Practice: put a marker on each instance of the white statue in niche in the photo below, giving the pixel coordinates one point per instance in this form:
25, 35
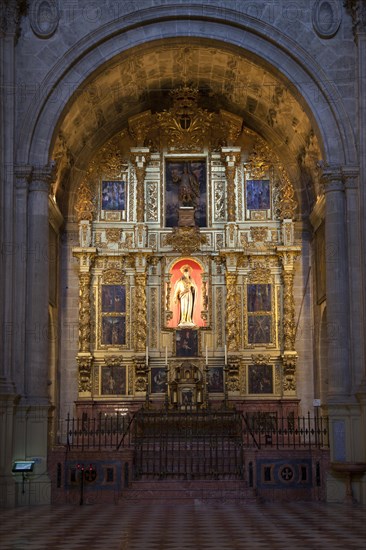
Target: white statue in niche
185, 292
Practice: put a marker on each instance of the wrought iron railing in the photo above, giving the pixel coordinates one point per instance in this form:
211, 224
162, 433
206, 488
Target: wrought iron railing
269, 430
206, 427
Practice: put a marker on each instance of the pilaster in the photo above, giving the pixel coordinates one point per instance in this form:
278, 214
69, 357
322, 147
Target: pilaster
336, 285
37, 286
22, 180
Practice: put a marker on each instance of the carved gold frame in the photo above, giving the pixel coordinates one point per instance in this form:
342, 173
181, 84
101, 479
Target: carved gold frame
166, 294
113, 215
112, 276
261, 276
184, 157
261, 214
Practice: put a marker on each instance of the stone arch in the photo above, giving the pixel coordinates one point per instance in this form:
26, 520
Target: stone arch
254, 38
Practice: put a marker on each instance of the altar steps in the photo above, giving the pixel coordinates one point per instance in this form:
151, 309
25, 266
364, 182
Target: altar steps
189, 491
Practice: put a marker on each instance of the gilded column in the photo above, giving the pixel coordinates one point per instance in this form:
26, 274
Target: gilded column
84, 358
288, 256
337, 291
140, 312
232, 312
140, 156
230, 157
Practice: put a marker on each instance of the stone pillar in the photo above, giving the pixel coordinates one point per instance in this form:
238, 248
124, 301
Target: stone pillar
356, 283
23, 176
36, 329
8, 29
337, 286
10, 360
357, 9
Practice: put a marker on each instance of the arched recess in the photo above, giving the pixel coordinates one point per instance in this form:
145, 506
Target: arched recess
54, 126
253, 39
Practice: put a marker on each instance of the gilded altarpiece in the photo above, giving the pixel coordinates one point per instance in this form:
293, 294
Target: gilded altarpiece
189, 241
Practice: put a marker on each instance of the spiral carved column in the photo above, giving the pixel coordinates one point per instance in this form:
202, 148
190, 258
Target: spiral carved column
232, 312
84, 357
289, 357
141, 312
140, 157
230, 157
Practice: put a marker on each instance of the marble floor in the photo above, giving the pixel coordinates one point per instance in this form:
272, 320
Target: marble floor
157, 526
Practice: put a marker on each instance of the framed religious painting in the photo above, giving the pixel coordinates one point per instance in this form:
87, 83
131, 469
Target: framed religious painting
113, 298
185, 192
158, 380
259, 308
259, 329
113, 331
215, 379
113, 200
113, 315
260, 379
113, 380
186, 343
258, 199
259, 297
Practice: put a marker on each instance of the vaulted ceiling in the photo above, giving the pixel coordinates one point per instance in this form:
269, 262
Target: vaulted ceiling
141, 80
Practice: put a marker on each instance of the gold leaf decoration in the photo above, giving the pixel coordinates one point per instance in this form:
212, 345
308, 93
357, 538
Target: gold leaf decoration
185, 239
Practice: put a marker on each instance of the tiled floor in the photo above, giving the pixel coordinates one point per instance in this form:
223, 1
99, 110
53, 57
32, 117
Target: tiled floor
137, 526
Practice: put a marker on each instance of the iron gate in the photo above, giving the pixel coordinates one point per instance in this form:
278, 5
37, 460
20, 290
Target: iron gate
188, 444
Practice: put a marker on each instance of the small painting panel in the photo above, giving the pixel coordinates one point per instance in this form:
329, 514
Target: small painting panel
113, 331
259, 329
158, 380
216, 379
113, 195
186, 343
186, 187
259, 297
114, 380
260, 378
113, 299
258, 195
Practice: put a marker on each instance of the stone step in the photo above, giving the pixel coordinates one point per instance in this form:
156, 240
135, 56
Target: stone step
190, 491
